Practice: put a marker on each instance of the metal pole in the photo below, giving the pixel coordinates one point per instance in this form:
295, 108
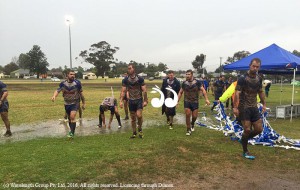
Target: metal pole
70, 45
293, 95
202, 65
220, 65
281, 89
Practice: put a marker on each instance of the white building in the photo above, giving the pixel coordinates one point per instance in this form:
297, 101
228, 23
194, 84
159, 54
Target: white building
89, 76
20, 73
161, 74
2, 75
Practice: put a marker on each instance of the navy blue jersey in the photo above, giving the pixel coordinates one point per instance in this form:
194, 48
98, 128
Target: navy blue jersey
2, 90
249, 88
133, 86
191, 90
109, 101
71, 91
219, 87
205, 84
173, 84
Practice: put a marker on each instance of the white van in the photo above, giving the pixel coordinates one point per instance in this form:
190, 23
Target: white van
89, 76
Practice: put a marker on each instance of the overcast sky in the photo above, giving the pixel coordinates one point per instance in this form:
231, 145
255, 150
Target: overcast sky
168, 31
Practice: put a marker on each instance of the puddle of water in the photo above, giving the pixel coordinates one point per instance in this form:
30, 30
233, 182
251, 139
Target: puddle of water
59, 128
56, 128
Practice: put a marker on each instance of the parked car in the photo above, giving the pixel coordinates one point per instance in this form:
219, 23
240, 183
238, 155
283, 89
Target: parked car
55, 79
151, 78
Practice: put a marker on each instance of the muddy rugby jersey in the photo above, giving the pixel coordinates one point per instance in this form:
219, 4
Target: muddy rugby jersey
134, 86
191, 90
71, 91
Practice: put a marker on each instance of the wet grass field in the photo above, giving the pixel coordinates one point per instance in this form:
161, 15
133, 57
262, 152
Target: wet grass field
204, 160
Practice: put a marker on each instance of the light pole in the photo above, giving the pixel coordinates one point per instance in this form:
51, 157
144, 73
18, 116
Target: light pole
69, 21
220, 64
203, 67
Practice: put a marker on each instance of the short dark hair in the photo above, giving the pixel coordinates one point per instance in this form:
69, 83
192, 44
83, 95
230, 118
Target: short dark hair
170, 71
255, 59
132, 65
189, 71
69, 71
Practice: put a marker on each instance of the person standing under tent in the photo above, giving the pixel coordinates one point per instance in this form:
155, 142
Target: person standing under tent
245, 104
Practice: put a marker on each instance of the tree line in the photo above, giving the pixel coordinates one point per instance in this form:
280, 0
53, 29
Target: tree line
101, 56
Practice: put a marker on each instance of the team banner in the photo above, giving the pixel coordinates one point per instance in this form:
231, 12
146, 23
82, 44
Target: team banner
268, 137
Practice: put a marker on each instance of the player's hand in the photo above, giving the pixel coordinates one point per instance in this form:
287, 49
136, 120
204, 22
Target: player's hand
53, 98
236, 112
145, 103
207, 102
121, 104
83, 107
264, 108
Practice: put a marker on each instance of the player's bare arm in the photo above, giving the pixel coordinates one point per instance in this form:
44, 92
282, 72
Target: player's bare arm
179, 96
205, 95
261, 95
82, 100
55, 94
122, 96
144, 89
236, 102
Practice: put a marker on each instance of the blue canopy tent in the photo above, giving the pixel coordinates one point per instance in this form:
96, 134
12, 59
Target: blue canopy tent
280, 72
273, 58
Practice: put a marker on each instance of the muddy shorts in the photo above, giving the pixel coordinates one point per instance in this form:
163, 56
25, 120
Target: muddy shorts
135, 105
249, 114
4, 107
191, 106
72, 107
105, 108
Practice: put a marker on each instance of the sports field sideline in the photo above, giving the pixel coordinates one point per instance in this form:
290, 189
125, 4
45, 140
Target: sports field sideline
207, 159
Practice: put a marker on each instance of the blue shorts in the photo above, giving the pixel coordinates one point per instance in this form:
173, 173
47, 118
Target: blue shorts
135, 105
191, 106
125, 97
4, 107
105, 108
170, 111
72, 107
249, 114
217, 96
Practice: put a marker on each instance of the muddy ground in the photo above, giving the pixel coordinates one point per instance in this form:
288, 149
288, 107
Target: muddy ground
205, 178
59, 128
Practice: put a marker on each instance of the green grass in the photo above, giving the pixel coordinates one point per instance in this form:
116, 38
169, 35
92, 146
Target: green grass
30, 100
114, 158
163, 156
